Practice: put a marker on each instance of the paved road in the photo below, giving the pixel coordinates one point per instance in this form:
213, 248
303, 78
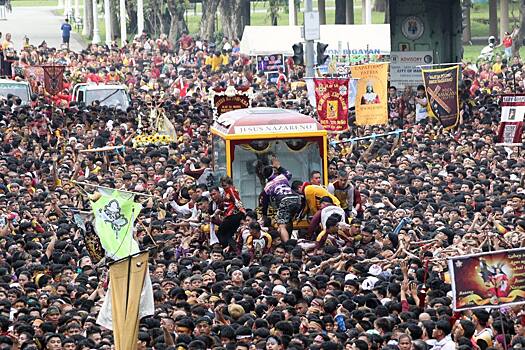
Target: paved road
39, 24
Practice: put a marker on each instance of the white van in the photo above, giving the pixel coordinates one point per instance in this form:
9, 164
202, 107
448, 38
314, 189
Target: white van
107, 95
21, 89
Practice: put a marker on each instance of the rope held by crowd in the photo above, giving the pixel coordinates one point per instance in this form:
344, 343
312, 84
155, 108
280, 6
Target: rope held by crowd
373, 136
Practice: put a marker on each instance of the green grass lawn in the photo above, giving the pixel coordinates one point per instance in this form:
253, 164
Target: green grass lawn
33, 3
479, 16
471, 52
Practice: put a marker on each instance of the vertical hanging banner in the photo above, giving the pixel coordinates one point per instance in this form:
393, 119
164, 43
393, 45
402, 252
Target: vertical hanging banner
332, 103
441, 86
54, 78
371, 99
486, 280
511, 124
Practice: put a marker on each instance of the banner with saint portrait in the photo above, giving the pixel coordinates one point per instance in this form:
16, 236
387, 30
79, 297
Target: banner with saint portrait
441, 86
332, 103
371, 106
488, 280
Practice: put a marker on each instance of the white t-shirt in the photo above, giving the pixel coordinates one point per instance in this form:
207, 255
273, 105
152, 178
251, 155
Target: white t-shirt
421, 111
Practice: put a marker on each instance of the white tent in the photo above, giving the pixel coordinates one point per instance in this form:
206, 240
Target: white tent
341, 39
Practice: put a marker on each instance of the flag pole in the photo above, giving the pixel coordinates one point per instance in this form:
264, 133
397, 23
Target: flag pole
113, 262
440, 64
115, 189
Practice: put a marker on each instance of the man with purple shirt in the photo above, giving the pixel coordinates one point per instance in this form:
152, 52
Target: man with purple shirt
279, 194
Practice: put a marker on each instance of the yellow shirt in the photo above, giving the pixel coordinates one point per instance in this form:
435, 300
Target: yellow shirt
216, 62
496, 68
313, 195
225, 60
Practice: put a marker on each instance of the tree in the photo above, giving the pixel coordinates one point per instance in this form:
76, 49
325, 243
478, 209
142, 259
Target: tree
178, 26
493, 18
517, 42
465, 13
273, 10
379, 6
231, 18
114, 18
207, 26
88, 21
504, 17
349, 12
340, 11
245, 12
131, 10
321, 7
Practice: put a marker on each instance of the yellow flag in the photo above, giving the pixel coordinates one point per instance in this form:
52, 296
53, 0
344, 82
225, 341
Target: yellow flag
126, 278
371, 106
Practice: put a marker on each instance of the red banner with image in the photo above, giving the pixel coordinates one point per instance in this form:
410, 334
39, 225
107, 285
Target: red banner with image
332, 103
54, 78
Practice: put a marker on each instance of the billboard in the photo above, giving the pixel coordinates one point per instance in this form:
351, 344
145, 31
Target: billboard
488, 280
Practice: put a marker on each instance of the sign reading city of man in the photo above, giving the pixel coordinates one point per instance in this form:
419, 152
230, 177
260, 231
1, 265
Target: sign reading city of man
405, 68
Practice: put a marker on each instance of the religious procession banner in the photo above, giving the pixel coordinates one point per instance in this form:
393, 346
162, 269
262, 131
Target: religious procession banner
230, 99
54, 78
115, 213
488, 280
371, 99
225, 103
332, 103
512, 114
441, 86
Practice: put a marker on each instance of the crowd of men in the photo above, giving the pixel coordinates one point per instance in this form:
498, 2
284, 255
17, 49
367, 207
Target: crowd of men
370, 271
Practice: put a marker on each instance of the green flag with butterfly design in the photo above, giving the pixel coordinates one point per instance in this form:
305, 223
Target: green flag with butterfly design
115, 213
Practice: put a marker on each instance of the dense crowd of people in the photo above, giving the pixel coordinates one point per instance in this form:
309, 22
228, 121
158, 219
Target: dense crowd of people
370, 271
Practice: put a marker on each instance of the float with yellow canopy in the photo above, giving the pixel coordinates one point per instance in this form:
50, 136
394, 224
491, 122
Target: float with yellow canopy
245, 140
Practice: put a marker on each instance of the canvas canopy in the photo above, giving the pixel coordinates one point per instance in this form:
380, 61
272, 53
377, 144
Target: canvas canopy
358, 39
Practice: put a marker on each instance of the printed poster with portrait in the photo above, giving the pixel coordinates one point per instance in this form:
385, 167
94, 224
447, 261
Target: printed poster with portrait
371, 98
488, 280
